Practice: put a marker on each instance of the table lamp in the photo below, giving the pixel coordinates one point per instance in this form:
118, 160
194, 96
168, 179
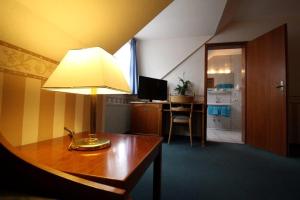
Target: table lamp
89, 71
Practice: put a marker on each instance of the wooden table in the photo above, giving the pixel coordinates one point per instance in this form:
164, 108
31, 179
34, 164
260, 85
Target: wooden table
120, 166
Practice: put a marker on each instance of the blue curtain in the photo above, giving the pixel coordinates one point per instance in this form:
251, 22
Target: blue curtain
133, 67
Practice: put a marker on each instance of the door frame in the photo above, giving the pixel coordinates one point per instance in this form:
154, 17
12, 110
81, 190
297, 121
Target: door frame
226, 45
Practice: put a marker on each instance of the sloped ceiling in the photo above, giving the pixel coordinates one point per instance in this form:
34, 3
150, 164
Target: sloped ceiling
51, 27
265, 9
193, 18
185, 18
255, 10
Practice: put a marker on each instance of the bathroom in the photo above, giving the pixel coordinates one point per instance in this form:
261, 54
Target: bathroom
225, 95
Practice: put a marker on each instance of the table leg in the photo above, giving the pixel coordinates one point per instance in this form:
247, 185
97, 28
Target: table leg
157, 176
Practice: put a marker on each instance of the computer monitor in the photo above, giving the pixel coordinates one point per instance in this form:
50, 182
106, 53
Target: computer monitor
152, 89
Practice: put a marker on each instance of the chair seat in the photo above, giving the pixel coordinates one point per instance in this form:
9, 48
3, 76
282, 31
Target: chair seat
181, 119
181, 109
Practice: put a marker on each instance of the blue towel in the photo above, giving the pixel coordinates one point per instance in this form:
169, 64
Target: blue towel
217, 110
224, 86
213, 110
225, 111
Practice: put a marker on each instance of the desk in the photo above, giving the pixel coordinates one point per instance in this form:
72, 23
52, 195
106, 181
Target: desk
147, 117
120, 166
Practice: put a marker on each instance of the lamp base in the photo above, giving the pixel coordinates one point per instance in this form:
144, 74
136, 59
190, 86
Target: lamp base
89, 143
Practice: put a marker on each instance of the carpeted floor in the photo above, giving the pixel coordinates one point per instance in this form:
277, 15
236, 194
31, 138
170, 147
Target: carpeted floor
222, 171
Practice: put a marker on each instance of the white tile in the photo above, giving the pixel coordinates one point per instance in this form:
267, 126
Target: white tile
224, 136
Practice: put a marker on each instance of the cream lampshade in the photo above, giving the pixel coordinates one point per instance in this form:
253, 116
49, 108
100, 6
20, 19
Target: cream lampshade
85, 69
88, 71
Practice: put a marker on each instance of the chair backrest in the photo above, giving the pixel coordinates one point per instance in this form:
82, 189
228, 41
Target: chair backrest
181, 99
181, 103
22, 175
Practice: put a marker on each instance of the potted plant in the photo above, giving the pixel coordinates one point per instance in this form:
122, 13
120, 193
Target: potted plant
183, 86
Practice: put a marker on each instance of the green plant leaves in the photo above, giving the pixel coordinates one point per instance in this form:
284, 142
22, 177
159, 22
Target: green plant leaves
183, 86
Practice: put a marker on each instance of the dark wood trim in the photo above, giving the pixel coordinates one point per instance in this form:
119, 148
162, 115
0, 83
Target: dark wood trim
215, 46
226, 45
204, 134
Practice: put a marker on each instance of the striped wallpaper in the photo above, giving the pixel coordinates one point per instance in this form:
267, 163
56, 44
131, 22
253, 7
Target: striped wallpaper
29, 114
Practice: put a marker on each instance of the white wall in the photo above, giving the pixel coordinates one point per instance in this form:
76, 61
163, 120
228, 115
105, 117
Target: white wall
223, 62
157, 57
193, 70
245, 31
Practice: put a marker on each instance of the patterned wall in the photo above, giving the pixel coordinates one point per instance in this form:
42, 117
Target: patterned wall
29, 114
21, 61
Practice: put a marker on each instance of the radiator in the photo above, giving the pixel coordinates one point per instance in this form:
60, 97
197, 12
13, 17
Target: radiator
117, 114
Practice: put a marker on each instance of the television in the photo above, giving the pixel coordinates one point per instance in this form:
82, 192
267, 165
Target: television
152, 89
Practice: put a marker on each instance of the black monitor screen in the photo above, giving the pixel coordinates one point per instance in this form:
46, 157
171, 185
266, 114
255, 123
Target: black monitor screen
152, 89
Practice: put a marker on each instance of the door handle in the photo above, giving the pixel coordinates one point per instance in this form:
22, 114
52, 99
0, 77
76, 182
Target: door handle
280, 86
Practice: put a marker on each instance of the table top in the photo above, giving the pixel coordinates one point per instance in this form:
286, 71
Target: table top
118, 165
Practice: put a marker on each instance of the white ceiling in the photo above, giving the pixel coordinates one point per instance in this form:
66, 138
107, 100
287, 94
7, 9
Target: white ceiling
190, 18
185, 18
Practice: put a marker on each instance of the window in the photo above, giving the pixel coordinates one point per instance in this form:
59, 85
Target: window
123, 57
127, 59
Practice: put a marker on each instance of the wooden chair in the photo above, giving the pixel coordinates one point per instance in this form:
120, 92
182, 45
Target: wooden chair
20, 175
181, 109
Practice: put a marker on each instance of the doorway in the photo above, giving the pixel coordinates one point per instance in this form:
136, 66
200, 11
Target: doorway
225, 93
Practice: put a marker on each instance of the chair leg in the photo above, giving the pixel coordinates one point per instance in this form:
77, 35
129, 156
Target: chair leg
170, 131
190, 129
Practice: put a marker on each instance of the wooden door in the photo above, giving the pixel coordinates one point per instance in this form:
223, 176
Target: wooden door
265, 93
210, 83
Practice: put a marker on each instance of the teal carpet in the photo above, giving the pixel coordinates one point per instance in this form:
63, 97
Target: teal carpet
222, 171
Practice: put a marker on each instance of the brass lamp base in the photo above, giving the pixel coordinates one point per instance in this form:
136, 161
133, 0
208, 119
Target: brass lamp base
89, 143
